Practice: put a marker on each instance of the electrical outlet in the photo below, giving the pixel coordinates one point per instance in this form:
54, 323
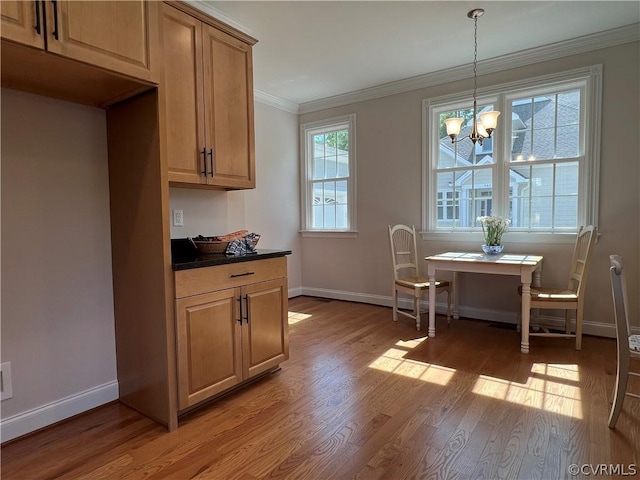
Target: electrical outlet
6, 387
178, 218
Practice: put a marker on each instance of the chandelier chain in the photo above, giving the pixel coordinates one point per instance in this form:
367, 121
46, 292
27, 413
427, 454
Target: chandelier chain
475, 56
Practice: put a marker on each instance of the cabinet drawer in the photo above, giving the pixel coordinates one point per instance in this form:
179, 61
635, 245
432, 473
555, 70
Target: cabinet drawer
208, 279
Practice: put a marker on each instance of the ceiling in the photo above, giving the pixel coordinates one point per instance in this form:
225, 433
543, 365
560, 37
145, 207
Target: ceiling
311, 50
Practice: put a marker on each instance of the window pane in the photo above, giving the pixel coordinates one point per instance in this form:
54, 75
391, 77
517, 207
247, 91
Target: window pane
566, 212
342, 216
317, 216
568, 142
341, 192
329, 216
546, 127
569, 108
541, 212
567, 179
343, 166
331, 155
446, 204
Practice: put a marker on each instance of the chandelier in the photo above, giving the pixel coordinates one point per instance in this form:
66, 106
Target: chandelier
488, 120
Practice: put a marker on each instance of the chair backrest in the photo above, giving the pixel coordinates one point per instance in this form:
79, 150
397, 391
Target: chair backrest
620, 305
403, 249
580, 261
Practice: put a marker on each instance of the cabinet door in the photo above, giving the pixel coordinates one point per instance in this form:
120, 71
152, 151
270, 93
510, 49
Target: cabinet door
183, 92
117, 36
22, 23
228, 90
265, 341
209, 345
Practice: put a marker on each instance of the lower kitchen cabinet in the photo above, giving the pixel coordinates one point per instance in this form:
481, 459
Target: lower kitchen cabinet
233, 333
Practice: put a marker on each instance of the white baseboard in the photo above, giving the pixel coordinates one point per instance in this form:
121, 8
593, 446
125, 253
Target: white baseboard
295, 292
501, 316
32, 420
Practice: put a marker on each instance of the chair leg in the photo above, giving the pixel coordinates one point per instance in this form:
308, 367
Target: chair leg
620, 390
417, 311
395, 304
567, 321
448, 306
579, 326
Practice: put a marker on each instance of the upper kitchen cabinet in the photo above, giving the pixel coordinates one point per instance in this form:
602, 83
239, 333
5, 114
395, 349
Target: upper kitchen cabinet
95, 52
112, 35
208, 92
22, 22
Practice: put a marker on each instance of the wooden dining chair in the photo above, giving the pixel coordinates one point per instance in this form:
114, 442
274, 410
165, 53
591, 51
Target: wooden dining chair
628, 345
570, 298
406, 274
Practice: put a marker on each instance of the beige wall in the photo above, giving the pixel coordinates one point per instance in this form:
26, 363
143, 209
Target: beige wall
388, 140
271, 209
57, 298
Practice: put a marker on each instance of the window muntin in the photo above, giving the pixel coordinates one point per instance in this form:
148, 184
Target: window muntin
543, 176
328, 181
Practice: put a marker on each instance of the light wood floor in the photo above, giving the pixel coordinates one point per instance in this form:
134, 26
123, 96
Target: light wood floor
364, 397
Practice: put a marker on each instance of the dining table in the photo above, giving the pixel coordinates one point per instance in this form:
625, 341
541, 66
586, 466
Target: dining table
527, 266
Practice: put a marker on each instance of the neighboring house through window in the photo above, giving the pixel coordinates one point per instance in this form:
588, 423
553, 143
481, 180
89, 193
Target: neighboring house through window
328, 175
540, 169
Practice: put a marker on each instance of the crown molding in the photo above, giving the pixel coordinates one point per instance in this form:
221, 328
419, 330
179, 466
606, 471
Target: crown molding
204, 7
587, 43
276, 102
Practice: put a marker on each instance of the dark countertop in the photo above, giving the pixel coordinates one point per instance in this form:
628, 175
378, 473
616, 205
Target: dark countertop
184, 256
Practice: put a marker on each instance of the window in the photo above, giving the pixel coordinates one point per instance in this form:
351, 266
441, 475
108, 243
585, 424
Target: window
328, 179
542, 175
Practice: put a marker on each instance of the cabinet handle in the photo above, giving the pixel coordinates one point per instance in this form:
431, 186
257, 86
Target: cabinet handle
211, 160
240, 302
241, 274
55, 18
246, 304
204, 161
38, 28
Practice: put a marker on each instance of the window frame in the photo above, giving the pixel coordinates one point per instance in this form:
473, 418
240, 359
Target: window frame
307, 131
590, 80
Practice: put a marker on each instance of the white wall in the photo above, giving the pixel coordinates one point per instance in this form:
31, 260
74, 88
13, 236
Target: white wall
57, 298
271, 209
388, 137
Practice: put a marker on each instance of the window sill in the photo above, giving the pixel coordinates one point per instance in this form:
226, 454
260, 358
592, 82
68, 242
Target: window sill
509, 237
330, 233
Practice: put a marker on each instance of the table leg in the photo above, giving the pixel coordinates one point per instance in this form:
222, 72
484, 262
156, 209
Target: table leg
526, 307
456, 309
536, 311
432, 305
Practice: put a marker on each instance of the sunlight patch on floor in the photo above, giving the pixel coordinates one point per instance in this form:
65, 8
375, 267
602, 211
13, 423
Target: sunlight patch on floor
393, 361
413, 343
540, 391
550, 387
295, 317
